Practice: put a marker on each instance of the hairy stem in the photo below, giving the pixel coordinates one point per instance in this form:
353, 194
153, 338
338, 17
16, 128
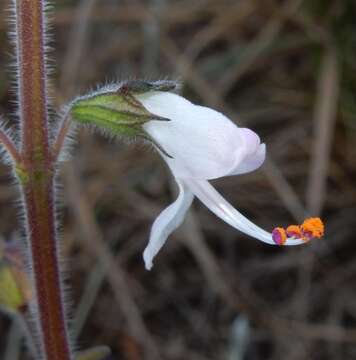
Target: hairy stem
32, 79
40, 209
36, 175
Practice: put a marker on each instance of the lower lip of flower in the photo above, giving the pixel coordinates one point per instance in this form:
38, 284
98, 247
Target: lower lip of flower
310, 229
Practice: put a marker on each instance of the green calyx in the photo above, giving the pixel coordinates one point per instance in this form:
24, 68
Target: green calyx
112, 111
118, 111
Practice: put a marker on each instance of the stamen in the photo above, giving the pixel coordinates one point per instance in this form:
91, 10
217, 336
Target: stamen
279, 236
294, 231
311, 228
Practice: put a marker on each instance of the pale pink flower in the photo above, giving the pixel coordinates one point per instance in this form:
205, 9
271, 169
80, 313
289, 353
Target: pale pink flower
203, 144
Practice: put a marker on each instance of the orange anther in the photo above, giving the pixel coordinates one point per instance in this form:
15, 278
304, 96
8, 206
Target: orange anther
312, 228
279, 236
294, 231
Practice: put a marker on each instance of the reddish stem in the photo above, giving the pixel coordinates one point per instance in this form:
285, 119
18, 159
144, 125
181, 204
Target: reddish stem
36, 175
32, 79
40, 209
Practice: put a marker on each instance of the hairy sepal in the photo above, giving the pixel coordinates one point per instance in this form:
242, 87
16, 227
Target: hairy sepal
115, 109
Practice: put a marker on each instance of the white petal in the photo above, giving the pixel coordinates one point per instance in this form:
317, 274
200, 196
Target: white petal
204, 143
255, 153
221, 208
166, 222
251, 162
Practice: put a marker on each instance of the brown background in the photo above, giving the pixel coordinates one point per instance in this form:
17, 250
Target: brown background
286, 69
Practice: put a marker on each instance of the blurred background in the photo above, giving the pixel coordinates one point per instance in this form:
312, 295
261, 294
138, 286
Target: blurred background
285, 69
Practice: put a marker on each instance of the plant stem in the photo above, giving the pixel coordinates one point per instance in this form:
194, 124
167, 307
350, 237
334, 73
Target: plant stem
40, 209
36, 175
32, 79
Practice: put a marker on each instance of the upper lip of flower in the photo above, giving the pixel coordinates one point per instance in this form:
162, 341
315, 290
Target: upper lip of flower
204, 144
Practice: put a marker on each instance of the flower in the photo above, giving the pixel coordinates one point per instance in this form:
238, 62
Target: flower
201, 144
197, 143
